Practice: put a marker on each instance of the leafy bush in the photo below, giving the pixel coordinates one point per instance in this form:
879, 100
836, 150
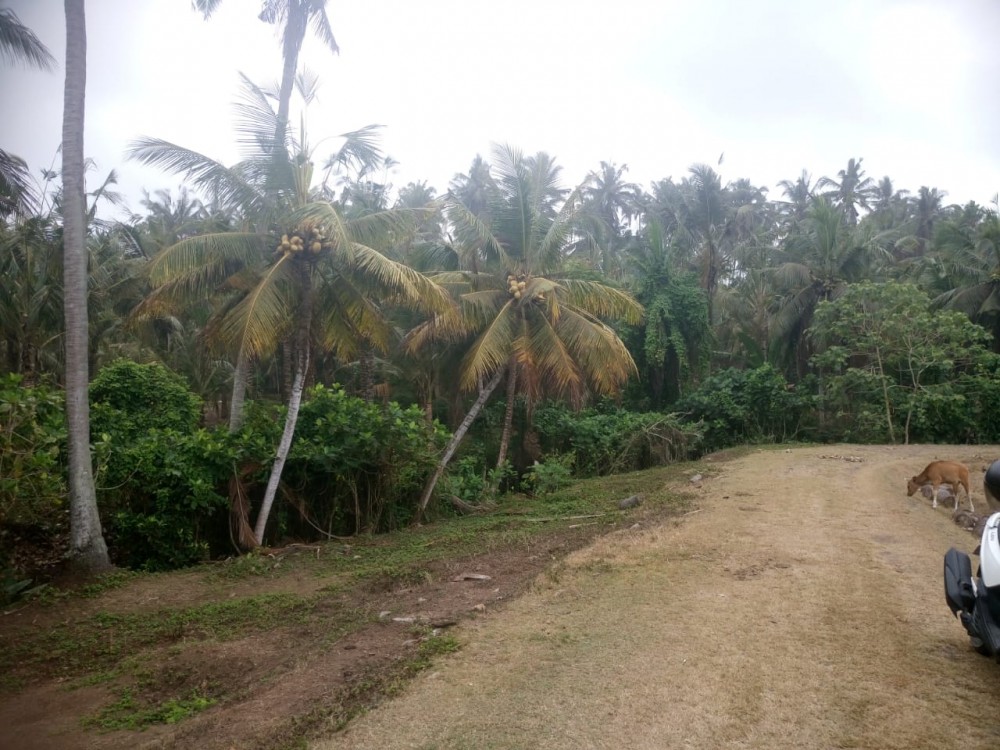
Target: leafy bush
614, 440
465, 479
551, 475
159, 478
129, 399
32, 438
357, 465
897, 369
164, 500
746, 406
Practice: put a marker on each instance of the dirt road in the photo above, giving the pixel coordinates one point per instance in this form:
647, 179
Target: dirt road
799, 606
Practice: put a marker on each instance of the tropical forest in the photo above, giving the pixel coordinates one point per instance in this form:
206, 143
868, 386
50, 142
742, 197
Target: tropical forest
269, 438
289, 348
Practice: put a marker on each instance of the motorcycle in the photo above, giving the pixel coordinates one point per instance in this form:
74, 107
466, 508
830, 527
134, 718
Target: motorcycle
976, 599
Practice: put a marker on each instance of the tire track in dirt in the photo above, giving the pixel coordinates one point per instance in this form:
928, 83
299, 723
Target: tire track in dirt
800, 606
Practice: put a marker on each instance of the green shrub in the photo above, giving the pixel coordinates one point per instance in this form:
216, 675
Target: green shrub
32, 440
129, 399
169, 509
160, 480
356, 466
551, 475
613, 440
746, 406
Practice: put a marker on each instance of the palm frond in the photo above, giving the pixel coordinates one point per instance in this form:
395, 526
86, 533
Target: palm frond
206, 7
491, 349
477, 231
350, 319
360, 151
18, 43
602, 300
410, 287
597, 350
262, 318
320, 23
208, 258
257, 122
479, 308
17, 194
554, 363
207, 174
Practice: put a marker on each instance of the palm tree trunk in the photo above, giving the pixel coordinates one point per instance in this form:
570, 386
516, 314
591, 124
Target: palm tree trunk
294, 402
294, 33
470, 417
508, 415
367, 373
87, 548
241, 374
287, 355
239, 505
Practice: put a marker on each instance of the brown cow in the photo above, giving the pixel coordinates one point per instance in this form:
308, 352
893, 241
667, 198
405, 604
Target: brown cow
942, 472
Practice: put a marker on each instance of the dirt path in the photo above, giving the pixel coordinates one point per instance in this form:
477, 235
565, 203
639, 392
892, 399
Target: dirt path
800, 606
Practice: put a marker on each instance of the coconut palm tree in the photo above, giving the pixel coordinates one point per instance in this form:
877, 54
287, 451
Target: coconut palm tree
888, 204
675, 334
518, 315
18, 46
614, 203
969, 258
799, 194
293, 17
928, 206
475, 188
302, 270
87, 547
815, 266
851, 191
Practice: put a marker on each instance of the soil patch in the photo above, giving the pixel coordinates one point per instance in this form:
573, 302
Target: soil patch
798, 605
267, 651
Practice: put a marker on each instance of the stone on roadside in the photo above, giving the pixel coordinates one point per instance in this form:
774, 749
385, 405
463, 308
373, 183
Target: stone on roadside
630, 502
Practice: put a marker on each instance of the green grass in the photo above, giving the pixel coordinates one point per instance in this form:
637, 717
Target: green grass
111, 647
129, 712
101, 641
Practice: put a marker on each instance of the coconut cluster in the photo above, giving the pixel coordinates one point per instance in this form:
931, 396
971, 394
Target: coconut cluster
516, 287
305, 239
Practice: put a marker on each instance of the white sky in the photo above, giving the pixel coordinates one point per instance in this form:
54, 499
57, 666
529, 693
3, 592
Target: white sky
777, 85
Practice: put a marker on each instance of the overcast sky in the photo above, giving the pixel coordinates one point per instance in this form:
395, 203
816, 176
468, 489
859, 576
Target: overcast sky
778, 86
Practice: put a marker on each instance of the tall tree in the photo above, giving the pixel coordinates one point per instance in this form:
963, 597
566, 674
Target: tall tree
675, 332
87, 547
294, 17
304, 271
799, 194
816, 266
928, 204
968, 257
851, 190
613, 202
519, 315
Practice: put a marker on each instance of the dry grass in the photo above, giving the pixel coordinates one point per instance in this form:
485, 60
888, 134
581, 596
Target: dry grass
800, 607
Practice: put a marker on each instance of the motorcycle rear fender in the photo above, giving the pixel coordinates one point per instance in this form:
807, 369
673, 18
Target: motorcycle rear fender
989, 552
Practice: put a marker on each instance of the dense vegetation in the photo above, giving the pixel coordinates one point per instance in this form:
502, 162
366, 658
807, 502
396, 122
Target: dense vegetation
372, 325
